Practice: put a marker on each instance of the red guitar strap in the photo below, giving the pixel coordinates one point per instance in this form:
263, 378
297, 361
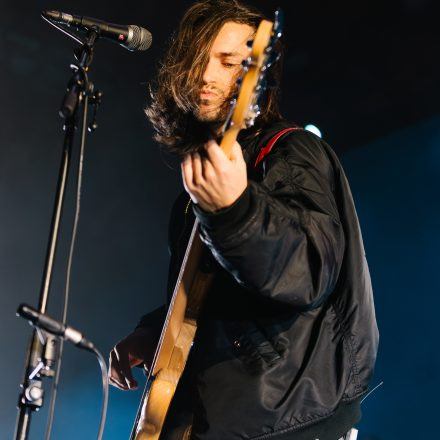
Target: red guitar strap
266, 149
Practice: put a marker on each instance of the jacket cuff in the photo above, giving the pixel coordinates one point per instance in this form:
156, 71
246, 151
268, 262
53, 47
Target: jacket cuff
227, 217
153, 320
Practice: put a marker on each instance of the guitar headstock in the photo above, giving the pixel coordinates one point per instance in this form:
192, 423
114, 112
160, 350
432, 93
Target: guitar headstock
252, 83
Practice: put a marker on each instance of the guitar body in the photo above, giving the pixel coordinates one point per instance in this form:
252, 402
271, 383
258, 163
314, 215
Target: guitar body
192, 284
175, 343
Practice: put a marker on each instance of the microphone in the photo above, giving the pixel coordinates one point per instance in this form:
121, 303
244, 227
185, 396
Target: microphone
53, 326
130, 37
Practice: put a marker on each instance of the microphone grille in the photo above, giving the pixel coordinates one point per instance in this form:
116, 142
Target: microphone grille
141, 39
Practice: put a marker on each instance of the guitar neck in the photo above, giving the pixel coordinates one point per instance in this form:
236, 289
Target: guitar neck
229, 138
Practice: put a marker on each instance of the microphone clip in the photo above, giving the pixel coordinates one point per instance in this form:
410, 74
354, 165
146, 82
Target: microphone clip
95, 101
43, 354
79, 83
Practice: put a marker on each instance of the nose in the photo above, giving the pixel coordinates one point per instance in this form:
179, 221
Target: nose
211, 72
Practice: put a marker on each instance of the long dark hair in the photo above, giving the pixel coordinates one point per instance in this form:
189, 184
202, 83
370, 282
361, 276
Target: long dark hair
175, 93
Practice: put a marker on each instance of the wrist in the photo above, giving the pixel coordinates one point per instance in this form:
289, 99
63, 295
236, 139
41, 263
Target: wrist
226, 215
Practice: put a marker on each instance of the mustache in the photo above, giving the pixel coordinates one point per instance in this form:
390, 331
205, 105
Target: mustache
211, 89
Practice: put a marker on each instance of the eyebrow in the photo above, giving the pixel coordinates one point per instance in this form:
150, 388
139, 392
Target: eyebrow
229, 54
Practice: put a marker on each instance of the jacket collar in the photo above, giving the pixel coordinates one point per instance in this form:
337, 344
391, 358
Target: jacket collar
251, 144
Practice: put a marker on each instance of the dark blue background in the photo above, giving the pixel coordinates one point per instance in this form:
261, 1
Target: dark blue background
395, 183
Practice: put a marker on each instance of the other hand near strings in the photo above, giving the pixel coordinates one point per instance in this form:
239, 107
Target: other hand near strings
215, 181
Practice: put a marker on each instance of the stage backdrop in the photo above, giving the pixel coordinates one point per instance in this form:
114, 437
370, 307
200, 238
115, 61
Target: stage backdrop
395, 183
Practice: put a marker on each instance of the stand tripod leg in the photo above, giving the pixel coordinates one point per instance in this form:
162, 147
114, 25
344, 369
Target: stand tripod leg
22, 425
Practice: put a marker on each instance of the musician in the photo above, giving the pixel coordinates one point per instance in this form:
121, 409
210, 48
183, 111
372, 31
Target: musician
287, 338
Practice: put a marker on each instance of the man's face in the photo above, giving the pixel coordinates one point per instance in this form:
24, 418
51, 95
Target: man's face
224, 65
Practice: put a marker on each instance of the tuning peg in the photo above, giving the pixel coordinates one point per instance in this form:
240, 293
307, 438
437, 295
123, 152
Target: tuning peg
261, 86
278, 24
247, 62
254, 112
228, 121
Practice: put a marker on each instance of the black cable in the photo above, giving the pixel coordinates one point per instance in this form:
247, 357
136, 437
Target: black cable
68, 273
63, 30
372, 391
104, 405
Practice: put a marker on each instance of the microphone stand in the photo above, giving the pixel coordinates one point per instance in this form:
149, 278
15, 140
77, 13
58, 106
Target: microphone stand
41, 352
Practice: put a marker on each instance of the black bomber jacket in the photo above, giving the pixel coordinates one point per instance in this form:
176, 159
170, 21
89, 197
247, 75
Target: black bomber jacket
287, 340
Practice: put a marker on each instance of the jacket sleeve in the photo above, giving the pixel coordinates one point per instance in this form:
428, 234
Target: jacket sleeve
282, 238
153, 320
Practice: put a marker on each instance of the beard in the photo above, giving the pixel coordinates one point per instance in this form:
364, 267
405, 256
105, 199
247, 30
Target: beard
209, 112
206, 114
212, 117
205, 121
215, 113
